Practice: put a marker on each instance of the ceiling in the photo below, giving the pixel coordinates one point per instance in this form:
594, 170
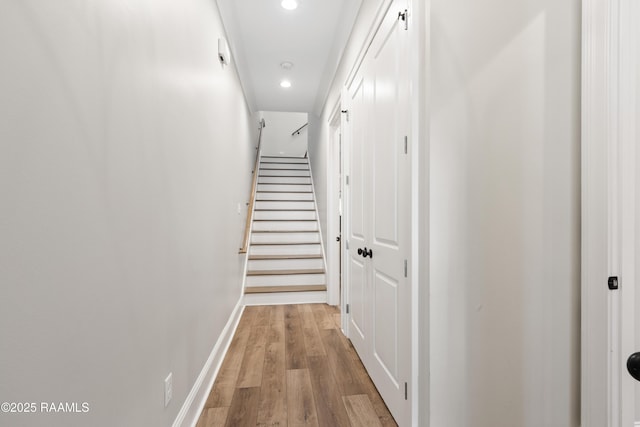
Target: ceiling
262, 35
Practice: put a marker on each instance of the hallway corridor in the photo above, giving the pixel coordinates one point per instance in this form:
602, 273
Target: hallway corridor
291, 365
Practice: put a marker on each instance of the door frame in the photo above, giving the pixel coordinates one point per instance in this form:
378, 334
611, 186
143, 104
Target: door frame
334, 263
608, 139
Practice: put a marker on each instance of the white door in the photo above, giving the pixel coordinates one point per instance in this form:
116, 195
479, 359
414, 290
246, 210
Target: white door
379, 214
626, 306
627, 215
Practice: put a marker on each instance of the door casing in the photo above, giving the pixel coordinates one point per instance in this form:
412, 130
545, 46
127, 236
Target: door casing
610, 65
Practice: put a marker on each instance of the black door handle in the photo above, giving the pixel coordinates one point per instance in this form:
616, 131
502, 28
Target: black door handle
359, 251
338, 239
633, 365
368, 253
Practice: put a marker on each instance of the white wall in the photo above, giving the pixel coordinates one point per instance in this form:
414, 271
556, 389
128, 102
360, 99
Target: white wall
505, 187
318, 141
125, 149
276, 136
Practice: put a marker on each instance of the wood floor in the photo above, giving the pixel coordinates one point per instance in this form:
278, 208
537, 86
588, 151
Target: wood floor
290, 365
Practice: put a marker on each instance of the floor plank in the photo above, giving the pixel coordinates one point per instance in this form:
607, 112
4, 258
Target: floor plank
294, 338
322, 317
337, 321
332, 309
264, 314
253, 362
301, 407
360, 411
329, 405
213, 417
272, 410
378, 404
341, 363
244, 407
312, 341
277, 315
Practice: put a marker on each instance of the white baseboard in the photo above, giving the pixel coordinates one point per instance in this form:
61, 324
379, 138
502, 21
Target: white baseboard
193, 404
278, 298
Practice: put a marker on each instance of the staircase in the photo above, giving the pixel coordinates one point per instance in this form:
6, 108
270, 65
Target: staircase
285, 254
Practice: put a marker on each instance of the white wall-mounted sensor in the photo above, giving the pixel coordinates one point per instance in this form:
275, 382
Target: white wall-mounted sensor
223, 51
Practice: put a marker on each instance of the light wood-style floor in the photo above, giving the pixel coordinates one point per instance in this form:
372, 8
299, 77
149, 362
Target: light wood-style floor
290, 365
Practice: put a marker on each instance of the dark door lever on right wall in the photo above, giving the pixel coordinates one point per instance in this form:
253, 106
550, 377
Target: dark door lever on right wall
633, 365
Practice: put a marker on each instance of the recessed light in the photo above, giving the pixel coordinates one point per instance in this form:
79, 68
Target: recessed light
285, 83
289, 4
286, 65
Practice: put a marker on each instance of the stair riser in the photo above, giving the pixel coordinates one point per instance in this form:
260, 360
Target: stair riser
271, 165
284, 187
285, 250
285, 264
268, 159
285, 205
288, 215
269, 172
285, 237
285, 298
286, 180
287, 279
284, 196
285, 225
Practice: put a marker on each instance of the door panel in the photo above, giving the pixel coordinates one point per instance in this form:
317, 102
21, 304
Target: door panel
357, 298
357, 175
385, 345
385, 142
356, 269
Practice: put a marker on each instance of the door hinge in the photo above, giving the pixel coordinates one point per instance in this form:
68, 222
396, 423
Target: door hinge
406, 144
346, 244
406, 391
346, 114
347, 179
347, 308
405, 18
405, 268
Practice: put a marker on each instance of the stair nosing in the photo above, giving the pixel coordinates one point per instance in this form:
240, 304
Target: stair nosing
284, 244
283, 163
280, 183
281, 157
285, 272
284, 176
283, 257
284, 200
285, 231
283, 183
284, 288
292, 220
281, 169
284, 210
295, 192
